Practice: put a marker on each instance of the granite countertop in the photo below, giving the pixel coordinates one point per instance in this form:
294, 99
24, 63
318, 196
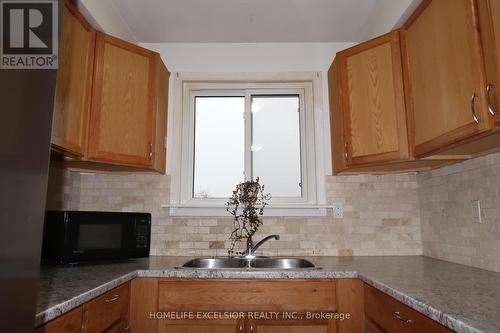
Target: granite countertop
465, 299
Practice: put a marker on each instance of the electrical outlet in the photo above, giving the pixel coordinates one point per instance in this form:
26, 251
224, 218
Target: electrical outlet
338, 210
476, 211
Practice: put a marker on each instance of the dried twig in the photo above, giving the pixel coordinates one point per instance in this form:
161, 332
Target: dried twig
247, 220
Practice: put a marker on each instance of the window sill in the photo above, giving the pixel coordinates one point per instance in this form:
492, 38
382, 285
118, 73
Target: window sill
218, 211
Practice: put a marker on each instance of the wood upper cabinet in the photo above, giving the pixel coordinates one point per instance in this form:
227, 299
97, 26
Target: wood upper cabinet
372, 101
74, 80
122, 121
446, 95
489, 18
111, 100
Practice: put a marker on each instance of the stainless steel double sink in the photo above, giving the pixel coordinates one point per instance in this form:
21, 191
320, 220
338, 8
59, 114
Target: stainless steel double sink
245, 263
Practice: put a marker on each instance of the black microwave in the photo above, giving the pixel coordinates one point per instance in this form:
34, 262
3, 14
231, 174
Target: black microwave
78, 236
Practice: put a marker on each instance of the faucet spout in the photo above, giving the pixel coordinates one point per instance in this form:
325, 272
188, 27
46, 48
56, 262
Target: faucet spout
251, 250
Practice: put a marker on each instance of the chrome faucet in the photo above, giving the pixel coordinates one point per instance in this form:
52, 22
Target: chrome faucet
249, 253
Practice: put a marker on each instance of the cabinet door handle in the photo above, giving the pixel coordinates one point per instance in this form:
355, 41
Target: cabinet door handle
150, 155
346, 151
398, 315
473, 109
251, 328
240, 328
113, 298
488, 99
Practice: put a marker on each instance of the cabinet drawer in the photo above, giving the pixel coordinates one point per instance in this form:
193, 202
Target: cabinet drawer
107, 309
246, 295
395, 317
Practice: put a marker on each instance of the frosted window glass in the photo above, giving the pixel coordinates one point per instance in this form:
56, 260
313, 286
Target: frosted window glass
219, 158
276, 144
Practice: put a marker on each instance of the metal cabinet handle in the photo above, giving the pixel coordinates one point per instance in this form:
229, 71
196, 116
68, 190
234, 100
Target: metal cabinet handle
473, 109
113, 298
251, 328
150, 156
488, 100
398, 315
346, 151
240, 328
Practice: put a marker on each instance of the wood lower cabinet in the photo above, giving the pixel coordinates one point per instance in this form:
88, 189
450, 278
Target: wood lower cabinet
371, 327
70, 322
74, 81
445, 77
121, 326
389, 315
152, 305
108, 312
242, 302
290, 326
201, 326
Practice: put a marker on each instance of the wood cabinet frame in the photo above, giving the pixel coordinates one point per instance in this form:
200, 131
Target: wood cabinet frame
402, 153
489, 16
94, 153
464, 133
60, 142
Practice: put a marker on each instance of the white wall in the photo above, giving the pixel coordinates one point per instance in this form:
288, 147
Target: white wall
248, 57
220, 58
103, 16
391, 14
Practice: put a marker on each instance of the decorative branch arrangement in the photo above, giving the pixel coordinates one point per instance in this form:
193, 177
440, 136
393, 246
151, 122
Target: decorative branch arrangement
246, 205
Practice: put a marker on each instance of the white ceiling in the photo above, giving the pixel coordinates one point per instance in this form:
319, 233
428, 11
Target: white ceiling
246, 21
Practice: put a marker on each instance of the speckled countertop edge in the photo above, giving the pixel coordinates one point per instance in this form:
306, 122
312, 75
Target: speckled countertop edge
61, 308
428, 310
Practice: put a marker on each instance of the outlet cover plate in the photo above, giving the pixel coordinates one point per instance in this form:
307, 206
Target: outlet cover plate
338, 210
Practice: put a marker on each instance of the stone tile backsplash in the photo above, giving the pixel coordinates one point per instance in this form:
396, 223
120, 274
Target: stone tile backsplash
381, 215
428, 213
447, 216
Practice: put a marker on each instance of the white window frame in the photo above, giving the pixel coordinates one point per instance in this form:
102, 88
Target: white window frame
181, 154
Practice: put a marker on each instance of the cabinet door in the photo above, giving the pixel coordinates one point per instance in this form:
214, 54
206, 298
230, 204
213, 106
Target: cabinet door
372, 102
160, 152
290, 326
201, 326
445, 75
70, 322
74, 79
339, 157
489, 16
122, 120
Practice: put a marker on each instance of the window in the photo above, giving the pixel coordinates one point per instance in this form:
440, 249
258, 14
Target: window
270, 152
229, 132
219, 140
